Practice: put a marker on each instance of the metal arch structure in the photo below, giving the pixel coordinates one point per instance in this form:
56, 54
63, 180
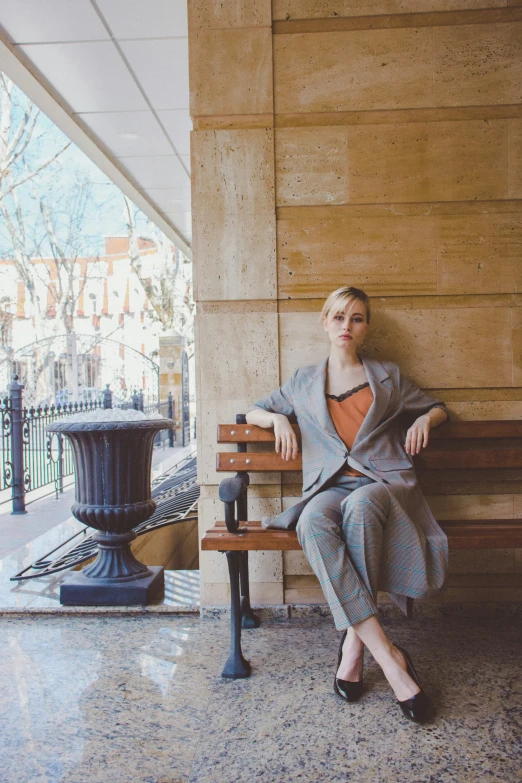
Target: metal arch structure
86, 346
95, 341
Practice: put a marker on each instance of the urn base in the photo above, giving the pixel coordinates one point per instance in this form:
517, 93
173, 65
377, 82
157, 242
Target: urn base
81, 590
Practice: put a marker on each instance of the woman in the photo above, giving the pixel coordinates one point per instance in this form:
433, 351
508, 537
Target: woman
363, 522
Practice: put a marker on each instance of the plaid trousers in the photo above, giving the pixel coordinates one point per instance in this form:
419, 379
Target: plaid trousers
341, 533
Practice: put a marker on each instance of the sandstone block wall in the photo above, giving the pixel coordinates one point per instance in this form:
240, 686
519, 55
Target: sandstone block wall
374, 143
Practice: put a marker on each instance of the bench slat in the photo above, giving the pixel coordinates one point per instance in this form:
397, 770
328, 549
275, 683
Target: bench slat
255, 461
467, 534
436, 459
440, 459
255, 537
450, 430
478, 429
248, 433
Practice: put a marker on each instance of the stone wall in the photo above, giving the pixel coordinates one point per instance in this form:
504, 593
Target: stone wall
368, 142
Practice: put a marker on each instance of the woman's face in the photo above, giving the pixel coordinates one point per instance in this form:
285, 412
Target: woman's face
347, 328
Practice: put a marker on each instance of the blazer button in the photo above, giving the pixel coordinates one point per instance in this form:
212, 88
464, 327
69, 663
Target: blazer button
346, 453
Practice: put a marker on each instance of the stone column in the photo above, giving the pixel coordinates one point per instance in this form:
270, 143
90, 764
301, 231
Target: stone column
233, 196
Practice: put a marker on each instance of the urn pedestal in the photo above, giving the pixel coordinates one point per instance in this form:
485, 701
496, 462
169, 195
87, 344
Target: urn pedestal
113, 495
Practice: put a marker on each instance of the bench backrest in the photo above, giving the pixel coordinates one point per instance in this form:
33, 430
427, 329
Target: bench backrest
452, 445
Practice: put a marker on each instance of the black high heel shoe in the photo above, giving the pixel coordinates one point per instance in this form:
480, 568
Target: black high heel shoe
417, 708
349, 691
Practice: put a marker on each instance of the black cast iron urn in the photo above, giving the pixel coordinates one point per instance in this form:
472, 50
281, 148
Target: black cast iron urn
113, 495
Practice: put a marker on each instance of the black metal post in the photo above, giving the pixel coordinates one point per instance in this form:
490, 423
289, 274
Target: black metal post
60, 463
140, 397
17, 445
107, 397
136, 401
236, 666
170, 414
248, 618
185, 423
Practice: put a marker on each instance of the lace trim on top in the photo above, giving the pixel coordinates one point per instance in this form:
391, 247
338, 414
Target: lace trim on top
348, 393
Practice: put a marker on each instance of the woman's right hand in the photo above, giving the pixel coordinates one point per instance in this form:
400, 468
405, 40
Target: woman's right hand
285, 437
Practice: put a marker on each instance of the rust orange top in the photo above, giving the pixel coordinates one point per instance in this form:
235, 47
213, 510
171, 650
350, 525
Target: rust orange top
348, 415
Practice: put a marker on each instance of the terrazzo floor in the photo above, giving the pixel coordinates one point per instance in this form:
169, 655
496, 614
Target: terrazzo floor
116, 699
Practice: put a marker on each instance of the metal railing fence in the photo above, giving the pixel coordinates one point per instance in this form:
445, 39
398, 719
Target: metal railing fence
31, 458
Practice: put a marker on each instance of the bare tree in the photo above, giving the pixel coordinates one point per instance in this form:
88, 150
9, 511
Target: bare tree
44, 222
64, 232
46, 210
168, 289
18, 133
53, 259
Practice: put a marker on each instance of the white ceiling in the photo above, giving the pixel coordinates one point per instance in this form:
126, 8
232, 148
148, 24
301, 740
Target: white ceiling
120, 69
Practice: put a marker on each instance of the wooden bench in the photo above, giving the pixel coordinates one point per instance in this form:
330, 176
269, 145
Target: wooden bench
484, 450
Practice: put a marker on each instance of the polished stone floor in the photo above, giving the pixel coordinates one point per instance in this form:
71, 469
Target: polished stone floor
106, 699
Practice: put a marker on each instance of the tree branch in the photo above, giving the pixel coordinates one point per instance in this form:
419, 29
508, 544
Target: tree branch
32, 174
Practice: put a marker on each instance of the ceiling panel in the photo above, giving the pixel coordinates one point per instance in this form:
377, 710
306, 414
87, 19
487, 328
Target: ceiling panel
162, 70
171, 199
129, 133
178, 125
186, 161
182, 221
156, 171
140, 19
34, 21
90, 76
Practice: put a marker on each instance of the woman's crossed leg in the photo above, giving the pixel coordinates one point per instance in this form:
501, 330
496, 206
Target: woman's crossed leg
341, 533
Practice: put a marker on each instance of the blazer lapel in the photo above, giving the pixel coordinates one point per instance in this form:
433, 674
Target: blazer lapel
376, 374
318, 399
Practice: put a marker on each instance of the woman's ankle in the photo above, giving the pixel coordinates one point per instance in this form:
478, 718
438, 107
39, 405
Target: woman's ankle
385, 655
352, 641
351, 666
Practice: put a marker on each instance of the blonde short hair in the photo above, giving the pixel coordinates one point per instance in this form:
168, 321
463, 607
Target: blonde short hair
338, 300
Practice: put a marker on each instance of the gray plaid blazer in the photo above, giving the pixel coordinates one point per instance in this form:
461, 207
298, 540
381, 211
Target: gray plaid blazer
415, 549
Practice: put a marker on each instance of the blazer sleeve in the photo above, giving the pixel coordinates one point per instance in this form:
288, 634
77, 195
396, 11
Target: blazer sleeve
415, 401
281, 400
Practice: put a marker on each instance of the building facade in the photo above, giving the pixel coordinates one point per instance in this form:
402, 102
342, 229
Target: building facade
89, 321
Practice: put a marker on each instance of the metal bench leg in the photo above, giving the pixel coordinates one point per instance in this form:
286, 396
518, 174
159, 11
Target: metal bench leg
404, 602
236, 666
248, 618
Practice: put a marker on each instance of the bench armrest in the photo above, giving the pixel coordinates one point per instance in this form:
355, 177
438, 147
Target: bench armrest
233, 491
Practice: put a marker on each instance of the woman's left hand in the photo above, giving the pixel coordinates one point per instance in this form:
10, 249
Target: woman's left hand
417, 435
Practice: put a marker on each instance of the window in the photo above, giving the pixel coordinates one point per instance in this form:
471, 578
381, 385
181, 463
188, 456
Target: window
89, 370
6, 329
